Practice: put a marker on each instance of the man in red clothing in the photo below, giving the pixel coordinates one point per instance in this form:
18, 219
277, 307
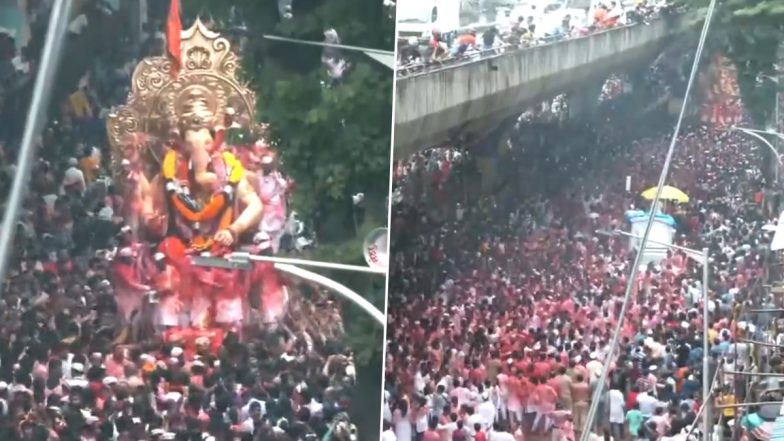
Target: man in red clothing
431, 434
480, 434
542, 366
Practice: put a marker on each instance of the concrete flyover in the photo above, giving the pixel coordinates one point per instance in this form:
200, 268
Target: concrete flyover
474, 97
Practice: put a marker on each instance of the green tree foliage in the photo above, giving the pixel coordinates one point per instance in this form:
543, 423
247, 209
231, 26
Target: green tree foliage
364, 336
334, 141
750, 32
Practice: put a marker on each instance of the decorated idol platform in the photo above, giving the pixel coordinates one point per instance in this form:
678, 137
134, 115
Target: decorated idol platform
189, 193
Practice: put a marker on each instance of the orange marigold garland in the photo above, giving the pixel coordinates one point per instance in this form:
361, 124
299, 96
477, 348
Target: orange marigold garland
219, 204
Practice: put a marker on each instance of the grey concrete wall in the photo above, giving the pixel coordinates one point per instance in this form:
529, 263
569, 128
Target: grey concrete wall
470, 98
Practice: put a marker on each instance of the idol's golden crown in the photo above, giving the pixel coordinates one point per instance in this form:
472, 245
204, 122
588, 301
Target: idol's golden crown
160, 104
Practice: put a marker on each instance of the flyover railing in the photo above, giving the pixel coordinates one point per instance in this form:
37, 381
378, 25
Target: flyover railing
429, 66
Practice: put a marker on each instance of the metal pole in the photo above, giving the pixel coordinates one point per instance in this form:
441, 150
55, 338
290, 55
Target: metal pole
760, 343
634, 236
53, 44
706, 417
317, 264
242, 260
339, 288
754, 374
776, 128
762, 132
616, 335
755, 133
744, 405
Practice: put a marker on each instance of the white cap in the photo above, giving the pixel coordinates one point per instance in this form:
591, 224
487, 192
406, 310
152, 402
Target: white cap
108, 381
172, 397
81, 383
19, 388
77, 367
159, 256
176, 351
126, 252
3, 385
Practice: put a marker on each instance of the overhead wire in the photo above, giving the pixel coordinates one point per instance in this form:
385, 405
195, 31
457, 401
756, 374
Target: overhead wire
36, 115
344, 47
600, 386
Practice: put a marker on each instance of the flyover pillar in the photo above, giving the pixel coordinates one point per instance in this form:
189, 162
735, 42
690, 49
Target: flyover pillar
488, 150
583, 101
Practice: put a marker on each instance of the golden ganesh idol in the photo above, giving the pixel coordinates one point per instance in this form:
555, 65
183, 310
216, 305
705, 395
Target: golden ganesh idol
189, 195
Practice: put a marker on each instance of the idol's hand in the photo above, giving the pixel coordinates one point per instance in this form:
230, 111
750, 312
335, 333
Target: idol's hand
177, 305
224, 237
157, 223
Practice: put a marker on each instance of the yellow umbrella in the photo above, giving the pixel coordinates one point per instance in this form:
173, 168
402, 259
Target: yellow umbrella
668, 194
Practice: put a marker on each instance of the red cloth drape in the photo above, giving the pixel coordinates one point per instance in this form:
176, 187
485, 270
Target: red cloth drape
173, 30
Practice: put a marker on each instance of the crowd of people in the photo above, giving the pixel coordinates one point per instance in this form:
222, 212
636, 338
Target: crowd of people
501, 308
534, 28
63, 373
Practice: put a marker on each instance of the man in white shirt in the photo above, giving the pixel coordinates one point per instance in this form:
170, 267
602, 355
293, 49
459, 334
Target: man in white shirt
500, 434
594, 367
388, 434
73, 179
315, 408
486, 410
450, 427
471, 421
648, 404
463, 394
421, 379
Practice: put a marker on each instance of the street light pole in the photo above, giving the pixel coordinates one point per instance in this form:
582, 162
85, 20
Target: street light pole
706, 387
243, 261
758, 135
704, 260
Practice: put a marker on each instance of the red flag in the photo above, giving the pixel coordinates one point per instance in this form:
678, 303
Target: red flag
173, 30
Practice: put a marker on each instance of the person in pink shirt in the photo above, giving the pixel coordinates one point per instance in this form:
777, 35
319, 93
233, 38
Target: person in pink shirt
547, 399
542, 367
115, 363
461, 393
514, 403
563, 428
502, 380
